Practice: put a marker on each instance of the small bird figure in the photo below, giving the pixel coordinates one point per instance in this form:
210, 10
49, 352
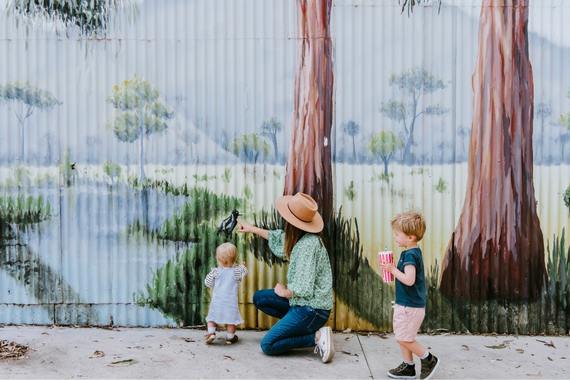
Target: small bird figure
227, 226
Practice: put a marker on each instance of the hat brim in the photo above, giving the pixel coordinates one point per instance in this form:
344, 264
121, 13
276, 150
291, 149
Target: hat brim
314, 226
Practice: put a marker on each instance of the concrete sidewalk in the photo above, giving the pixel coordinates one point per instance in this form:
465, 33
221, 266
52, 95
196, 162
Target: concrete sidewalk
180, 353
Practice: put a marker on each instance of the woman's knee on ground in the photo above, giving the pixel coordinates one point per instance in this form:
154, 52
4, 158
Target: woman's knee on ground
267, 346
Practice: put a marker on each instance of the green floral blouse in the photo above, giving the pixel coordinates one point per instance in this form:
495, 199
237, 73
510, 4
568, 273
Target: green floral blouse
309, 276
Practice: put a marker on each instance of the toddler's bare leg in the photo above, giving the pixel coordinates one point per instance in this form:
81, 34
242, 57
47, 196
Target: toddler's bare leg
231, 329
406, 352
414, 347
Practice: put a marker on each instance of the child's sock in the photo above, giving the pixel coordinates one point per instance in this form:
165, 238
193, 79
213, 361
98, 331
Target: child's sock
409, 363
211, 330
427, 355
229, 336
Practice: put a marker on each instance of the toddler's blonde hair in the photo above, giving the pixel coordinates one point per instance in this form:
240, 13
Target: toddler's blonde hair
410, 223
226, 254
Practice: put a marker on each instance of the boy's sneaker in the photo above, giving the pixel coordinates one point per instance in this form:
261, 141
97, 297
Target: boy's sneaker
210, 338
325, 345
232, 340
429, 366
403, 371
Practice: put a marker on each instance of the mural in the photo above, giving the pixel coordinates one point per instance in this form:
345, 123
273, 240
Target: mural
131, 129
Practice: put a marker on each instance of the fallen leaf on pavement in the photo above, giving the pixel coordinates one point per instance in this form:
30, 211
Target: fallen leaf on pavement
465, 347
228, 357
124, 362
189, 340
520, 350
549, 344
497, 346
349, 353
12, 350
97, 354
549, 358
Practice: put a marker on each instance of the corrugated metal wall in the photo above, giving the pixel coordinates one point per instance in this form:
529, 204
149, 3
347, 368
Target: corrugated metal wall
86, 240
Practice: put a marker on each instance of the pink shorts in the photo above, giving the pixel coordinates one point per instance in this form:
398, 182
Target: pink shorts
407, 322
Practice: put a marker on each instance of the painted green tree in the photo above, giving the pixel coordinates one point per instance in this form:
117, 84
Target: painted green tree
249, 147
384, 146
90, 17
352, 129
413, 85
410, 4
139, 113
269, 129
23, 99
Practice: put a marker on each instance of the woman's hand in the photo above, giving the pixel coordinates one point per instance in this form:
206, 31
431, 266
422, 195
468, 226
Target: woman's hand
282, 291
245, 227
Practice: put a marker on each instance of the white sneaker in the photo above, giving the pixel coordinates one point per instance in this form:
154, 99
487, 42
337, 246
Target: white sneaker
325, 345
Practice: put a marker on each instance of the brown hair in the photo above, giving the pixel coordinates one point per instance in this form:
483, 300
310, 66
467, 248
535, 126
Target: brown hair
410, 223
292, 236
226, 254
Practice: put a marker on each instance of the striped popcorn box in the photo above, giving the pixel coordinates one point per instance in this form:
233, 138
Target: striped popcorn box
386, 257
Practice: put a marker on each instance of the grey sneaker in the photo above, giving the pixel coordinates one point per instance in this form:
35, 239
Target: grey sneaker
429, 366
403, 371
325, 345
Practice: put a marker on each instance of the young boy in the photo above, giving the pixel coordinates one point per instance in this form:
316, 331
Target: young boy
408, 229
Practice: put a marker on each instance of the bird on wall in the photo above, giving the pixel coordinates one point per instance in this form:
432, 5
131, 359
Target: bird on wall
228, 225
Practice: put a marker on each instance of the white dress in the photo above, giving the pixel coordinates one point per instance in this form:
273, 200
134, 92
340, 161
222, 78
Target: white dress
224, 304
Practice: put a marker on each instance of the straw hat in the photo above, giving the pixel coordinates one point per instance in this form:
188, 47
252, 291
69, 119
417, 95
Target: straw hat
300, 210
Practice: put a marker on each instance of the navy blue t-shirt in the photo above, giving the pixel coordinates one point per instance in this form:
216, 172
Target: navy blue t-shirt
415, 295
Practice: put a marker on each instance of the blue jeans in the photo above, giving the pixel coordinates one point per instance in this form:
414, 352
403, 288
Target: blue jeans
297, 325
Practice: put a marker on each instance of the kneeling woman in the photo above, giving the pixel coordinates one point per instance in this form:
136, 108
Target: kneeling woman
304, 305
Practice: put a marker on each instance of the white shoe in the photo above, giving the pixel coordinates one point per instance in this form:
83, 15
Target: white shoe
325, 345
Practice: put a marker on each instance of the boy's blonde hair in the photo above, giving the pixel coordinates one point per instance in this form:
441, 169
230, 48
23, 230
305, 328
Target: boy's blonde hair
410, 223
226, 254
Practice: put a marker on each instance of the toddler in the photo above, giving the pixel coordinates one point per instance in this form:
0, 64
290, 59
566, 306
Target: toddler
224, 280
408, 229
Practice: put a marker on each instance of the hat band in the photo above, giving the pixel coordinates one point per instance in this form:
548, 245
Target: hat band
298, 217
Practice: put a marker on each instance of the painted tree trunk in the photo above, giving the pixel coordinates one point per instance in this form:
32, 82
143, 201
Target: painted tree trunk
141, 152
407, 156
274, 141
497, 250
353, 150
309, 167
22, 143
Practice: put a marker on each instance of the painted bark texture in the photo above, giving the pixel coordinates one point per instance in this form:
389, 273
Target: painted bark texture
309, 167
497, 250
